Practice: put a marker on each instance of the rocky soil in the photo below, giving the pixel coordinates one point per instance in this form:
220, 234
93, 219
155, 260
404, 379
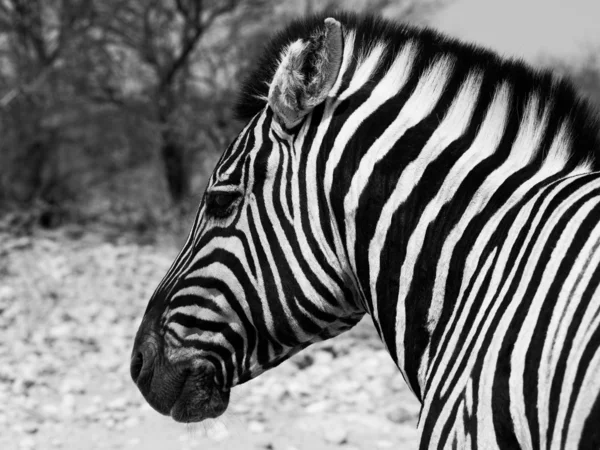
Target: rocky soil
69, 309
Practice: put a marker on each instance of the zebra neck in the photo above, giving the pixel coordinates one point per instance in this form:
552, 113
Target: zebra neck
418, 183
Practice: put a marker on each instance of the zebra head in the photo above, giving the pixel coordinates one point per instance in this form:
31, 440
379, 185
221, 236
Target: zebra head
260, 276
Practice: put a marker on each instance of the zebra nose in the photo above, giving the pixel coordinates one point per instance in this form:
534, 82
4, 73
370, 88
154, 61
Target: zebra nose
137, 362
142, 365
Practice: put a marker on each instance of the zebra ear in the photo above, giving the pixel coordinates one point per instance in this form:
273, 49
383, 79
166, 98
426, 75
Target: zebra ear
306, 74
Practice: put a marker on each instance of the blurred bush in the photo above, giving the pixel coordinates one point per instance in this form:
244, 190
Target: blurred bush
91, 90
113, 111
585, 74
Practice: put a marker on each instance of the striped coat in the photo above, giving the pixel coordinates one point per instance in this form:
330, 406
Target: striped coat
448, 193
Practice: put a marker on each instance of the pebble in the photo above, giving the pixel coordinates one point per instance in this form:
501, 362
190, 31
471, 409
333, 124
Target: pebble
399, 415
68, 404
90, 412
51, 412
134, 442
318, 407
29, 373
322, 358
30, 428
73, 386
240, 408
256, 427
27, 443
118, 404
397, 384
218, 432
346, 386
335, 434
21, 386
6, 293
254, 399
277, 392
131, 422
61, 331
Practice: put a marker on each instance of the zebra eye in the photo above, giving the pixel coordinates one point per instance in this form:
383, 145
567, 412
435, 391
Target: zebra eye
220, 204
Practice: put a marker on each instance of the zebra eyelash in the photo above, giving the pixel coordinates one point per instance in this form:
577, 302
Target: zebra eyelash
221, 203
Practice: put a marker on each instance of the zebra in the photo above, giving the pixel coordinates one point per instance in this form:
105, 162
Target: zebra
451, 194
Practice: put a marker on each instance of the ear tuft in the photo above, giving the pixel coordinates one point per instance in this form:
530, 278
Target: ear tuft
306, 73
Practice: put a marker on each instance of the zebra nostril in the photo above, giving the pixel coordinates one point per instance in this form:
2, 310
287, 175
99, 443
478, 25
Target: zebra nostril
143, 360
137, 363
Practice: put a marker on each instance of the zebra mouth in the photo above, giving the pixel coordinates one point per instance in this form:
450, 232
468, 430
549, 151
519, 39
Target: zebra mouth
186, 390
200, 398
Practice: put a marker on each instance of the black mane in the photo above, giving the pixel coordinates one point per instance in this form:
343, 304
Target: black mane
522, 78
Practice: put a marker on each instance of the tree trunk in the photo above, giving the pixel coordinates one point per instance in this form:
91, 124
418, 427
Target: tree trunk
173, 156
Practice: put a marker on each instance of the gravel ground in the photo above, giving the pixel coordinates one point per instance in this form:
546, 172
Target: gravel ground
68, 312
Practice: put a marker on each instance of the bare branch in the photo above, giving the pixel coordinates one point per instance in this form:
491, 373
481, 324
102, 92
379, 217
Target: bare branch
183, 9
109, 97
149, 51
6, 16
7, 99
194, 27
221, 10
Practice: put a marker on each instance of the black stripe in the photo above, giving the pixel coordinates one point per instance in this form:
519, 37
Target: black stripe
590, 437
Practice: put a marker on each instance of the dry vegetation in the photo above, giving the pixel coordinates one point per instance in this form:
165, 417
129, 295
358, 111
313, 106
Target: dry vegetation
93, 93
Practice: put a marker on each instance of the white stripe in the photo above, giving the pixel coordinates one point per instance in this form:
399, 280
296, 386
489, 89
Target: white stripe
346, 59
590, 387
484, 145
588, 324
308, 291
313, 186
391, 83
444, 415
420, 104
451, 128
472, 339
365, 68
283, 166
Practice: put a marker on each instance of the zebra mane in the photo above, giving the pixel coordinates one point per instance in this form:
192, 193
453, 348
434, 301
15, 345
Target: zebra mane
566, 103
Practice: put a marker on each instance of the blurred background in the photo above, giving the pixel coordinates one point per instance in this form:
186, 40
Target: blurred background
112, 115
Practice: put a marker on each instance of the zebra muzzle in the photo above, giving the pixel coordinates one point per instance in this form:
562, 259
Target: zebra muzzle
186, 392
200, 398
